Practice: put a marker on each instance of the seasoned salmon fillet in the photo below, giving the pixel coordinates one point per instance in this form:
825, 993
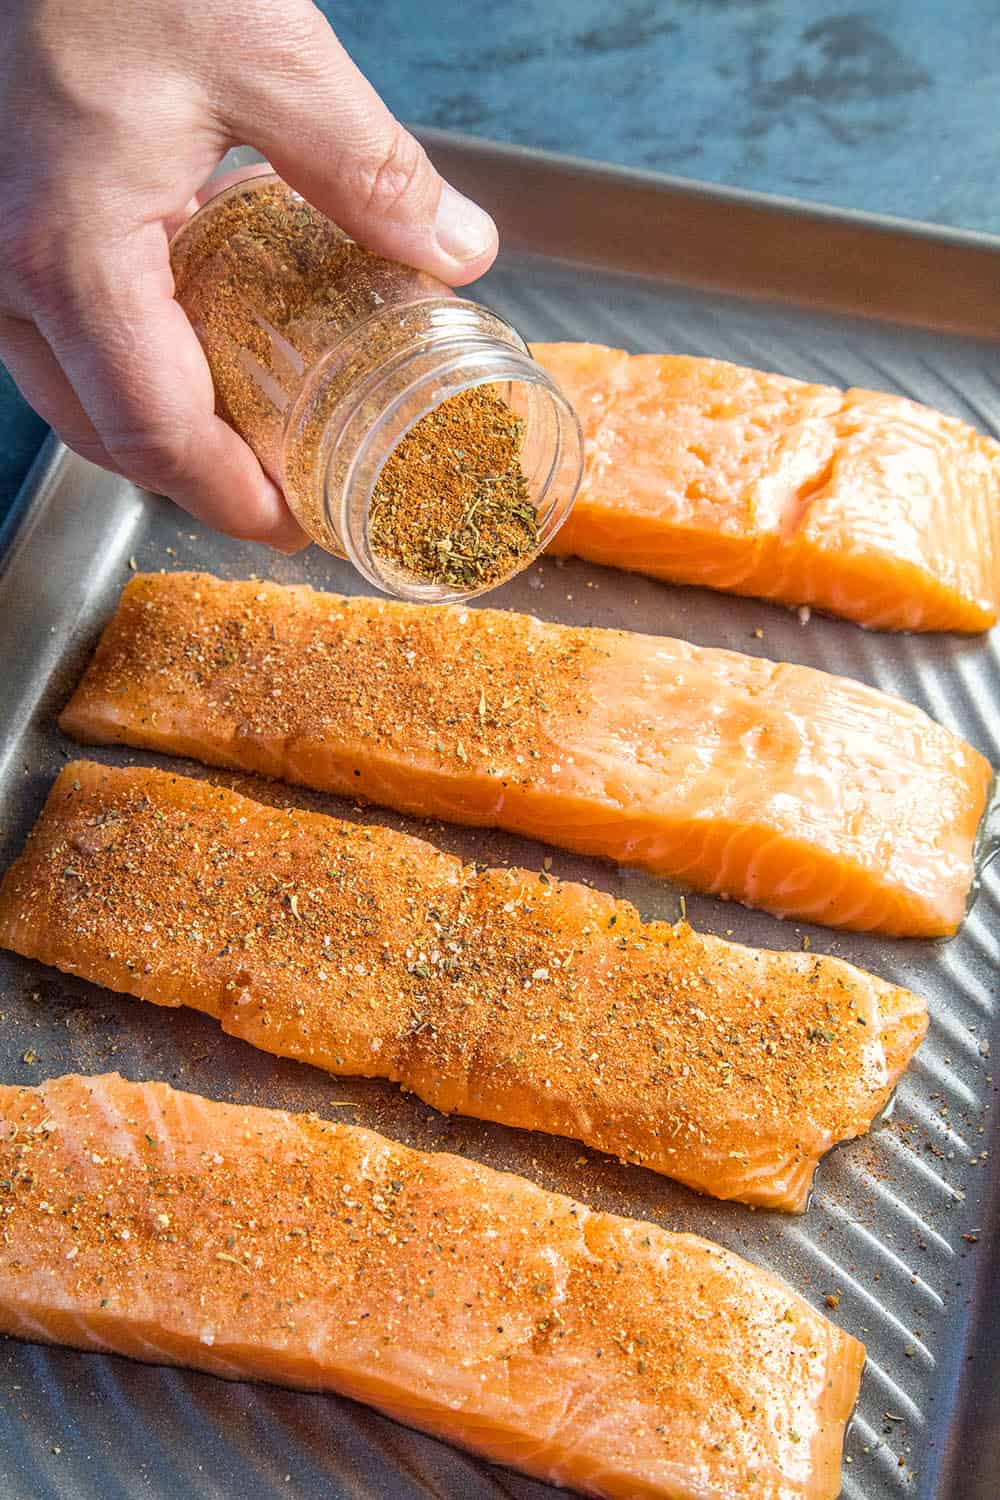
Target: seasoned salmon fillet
786, 788
589, 1350
496, 993
864, 504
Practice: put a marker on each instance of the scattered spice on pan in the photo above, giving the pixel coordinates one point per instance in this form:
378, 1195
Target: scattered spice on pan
451, 502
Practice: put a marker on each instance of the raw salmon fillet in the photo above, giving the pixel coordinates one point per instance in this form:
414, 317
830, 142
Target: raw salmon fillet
589, 1350
807, 794
496, 993
864, 504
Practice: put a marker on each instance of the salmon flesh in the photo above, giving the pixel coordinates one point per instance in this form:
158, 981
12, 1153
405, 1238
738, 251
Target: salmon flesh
864, 504
589, 1350
787, 788
501, 994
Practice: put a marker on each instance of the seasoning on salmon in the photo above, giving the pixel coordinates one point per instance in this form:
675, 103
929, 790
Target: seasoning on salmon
502, 994
593, 1351
861, 503
786, 788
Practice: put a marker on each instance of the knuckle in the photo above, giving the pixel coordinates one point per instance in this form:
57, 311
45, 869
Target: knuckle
29, 253
388, 181
44, 237
157, 457
87, 446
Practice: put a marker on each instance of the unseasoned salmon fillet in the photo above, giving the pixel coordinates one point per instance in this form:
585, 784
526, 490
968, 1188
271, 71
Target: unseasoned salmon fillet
784, 787
589, 1350
496, 993
864, 504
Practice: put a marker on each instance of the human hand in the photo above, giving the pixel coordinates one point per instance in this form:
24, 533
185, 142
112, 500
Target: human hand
112, 116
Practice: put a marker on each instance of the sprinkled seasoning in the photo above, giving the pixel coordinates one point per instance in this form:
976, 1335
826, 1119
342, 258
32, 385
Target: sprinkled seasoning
489, 992
288, 1237
451, 504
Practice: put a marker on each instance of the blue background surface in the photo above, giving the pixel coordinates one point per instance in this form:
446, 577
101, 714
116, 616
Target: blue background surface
887, 105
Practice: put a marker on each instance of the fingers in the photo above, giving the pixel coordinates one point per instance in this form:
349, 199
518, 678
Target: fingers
328, 133
37, 375
141, 382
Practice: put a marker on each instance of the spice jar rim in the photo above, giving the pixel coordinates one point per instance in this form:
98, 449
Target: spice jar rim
464, 371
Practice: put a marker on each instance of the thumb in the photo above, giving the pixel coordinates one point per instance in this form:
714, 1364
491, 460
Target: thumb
326, 131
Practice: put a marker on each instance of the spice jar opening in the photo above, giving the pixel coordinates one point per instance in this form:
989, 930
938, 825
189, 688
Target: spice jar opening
341, 369
496, 494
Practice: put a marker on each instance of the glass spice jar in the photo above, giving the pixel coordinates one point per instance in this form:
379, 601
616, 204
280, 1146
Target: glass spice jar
325, 356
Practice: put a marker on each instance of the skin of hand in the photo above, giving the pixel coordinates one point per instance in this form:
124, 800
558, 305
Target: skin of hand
113, 114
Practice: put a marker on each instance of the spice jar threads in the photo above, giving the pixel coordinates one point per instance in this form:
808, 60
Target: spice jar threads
329, 360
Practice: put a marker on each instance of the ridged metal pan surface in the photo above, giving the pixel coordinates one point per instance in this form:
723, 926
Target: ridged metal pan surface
902, 1227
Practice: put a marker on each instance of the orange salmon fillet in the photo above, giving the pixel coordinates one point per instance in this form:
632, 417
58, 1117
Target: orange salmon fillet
806, 794
864, 504
496, 993
589, 1350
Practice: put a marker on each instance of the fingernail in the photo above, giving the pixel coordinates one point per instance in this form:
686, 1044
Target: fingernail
464, 230
288, 536
289, 545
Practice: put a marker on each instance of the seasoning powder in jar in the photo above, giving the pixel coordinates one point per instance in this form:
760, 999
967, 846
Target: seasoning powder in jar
409, 428
451, 503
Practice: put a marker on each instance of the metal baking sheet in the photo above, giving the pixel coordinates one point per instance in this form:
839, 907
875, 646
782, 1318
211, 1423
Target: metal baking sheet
902, 1227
